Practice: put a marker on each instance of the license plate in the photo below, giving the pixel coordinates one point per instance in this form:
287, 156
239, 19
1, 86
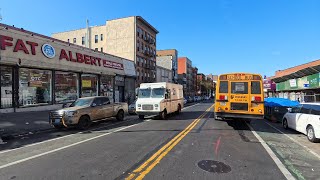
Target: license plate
57, 121
223, 103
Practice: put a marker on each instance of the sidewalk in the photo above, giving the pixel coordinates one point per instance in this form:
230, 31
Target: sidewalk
12, 124
21, 123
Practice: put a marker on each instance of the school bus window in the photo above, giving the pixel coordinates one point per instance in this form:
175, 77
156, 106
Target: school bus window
255, 87
223, 87
239, 87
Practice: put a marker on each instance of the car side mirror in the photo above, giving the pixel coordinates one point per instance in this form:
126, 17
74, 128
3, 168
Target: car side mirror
108, 102
93, 105
290, 110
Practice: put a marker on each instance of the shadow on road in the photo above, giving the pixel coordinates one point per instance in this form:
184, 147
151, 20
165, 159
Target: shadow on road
97, 127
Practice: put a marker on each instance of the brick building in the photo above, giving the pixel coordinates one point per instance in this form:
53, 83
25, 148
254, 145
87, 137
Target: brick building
132, 38
185, 75
169, 59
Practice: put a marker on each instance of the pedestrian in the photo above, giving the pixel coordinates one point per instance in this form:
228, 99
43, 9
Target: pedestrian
298, 100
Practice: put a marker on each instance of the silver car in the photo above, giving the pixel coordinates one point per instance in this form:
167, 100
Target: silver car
132, 108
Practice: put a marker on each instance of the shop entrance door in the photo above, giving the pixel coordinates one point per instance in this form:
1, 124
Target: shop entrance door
121, 93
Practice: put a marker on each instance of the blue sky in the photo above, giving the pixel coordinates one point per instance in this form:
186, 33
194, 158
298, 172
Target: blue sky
219, 36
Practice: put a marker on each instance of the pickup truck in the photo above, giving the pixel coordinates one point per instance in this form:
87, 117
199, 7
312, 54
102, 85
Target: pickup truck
82, 112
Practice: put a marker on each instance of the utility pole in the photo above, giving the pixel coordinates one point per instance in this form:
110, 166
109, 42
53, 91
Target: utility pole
87, 34
0, 15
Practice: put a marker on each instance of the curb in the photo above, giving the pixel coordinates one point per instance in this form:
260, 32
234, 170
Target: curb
14, 135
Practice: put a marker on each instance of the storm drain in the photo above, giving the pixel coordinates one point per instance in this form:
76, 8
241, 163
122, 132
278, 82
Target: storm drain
214, 166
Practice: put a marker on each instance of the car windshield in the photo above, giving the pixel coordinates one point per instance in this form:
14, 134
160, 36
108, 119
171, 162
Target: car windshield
144, 93
158, 92
81, 102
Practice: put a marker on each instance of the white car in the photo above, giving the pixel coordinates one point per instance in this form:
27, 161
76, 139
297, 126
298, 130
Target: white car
304, 118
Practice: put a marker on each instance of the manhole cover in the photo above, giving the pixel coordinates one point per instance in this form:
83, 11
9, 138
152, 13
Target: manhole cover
214, 166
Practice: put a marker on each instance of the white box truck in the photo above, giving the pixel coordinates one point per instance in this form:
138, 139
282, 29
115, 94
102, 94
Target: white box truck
159, 99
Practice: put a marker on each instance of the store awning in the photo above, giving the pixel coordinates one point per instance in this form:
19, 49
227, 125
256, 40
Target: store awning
298, 74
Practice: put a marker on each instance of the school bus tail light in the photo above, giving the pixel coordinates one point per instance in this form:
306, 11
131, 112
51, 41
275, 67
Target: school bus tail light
223, 97
256, 98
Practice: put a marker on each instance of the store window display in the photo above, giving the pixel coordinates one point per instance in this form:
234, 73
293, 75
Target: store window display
106, 86
89, 85
6, 86
66, 87
34, 86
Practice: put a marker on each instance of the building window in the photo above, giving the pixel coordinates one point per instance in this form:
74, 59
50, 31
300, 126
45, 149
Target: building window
83, 41
106, 87
101, 49
138, 31
101, 39
89, 83
138, 74
96, 49
95, 38
34, 87
142, 75
66, 87
138, 45
6, 86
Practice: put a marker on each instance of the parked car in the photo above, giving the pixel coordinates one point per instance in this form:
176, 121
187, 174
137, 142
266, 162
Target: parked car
305, 119
132, 108
195, 99
189, 99
185, 101
82, 112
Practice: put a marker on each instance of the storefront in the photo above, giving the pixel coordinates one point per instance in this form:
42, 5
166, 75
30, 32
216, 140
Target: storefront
130, 81
304, 89
42, 73
269, 88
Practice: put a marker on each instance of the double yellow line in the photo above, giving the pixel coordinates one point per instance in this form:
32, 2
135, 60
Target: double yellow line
148, 165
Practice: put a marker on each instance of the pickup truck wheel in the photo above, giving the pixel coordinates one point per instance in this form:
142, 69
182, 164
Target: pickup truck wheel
141, 117
120, 115
163, 114
84, 123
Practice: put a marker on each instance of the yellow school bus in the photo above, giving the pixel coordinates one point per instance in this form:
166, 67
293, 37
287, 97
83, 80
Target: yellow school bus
239, 95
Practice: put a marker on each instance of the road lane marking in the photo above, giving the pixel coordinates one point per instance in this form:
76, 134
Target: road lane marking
277, 161
308, 149
189, 106
148, 165
64, 147
54, 139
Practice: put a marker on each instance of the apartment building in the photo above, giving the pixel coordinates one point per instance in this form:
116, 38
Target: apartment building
169, 59
163, 74
185, 75
194, 80
131, 38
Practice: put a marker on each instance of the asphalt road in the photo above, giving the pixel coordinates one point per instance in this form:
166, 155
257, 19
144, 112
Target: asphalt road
191, 145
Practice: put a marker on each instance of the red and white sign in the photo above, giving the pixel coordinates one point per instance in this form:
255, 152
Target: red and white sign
29, 47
